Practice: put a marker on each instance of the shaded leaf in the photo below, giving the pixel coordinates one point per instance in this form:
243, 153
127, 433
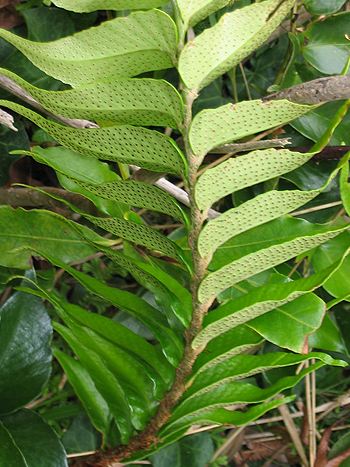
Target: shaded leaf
27, 441
194, 451
25, 232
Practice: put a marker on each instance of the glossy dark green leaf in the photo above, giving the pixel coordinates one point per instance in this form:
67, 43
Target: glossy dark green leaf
292, 322
315, 124
9, 142
328, 48
25, 353
27, 441
323, 7
39, 21
345, 188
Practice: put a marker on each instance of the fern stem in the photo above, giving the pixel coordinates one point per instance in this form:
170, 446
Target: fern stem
149, 436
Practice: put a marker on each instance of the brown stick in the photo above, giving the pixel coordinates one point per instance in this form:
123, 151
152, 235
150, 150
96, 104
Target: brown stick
317, 91
29, 198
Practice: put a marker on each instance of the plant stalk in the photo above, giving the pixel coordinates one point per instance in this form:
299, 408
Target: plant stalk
149, 436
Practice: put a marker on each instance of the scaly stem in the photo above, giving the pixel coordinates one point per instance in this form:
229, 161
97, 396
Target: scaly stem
149, 436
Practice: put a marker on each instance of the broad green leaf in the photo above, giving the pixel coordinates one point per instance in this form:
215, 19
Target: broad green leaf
234, 393
338, 284
214, 127
143, 41
316, 123
25, 354
135, 306
106, 382
233, 38
140, 234
224, 417
258, 302
96, 407
262, 260
244, 171
27, 441
140, 102
86, 6
292, 322
39, 21
24, 232
238, 340
243, 366
323, 7
327, 47
128, 144
137, 194
80, 436
193, 11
